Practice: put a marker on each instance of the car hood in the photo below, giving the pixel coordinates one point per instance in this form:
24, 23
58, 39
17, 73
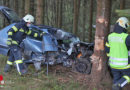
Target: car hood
9, 14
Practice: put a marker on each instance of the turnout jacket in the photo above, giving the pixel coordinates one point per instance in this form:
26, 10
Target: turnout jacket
19, 31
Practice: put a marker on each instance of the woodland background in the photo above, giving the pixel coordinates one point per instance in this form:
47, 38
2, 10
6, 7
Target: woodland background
76, 16
90, 20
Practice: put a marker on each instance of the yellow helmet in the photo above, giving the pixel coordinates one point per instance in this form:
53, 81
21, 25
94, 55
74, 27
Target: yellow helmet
123, 22
28, 18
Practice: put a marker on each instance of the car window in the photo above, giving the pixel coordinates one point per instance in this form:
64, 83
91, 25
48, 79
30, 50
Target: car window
3, 21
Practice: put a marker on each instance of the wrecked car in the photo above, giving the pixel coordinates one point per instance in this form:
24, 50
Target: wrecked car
55, 47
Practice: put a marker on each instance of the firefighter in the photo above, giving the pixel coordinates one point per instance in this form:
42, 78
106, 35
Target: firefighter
117, 48
15, 36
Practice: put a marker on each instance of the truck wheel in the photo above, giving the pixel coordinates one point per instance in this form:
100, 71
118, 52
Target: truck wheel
82, 65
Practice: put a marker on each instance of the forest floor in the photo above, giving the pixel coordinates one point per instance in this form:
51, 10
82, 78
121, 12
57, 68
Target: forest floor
59, 78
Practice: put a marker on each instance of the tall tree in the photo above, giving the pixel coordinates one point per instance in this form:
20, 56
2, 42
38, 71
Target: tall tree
1, 17
16, 6
84, 19
7, 3
27, 6
59, 16
90, 21
99, 69
122, 4
39, 12
21, 8
76, 16
32, 10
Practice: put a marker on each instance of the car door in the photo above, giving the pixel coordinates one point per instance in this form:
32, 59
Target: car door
7, 19
9, 14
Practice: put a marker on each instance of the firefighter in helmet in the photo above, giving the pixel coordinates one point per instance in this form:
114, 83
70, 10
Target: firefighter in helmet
117, 48
15, 36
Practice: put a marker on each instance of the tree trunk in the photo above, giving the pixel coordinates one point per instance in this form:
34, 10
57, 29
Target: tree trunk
90, 21
27, 6
59, 19
16, 6
21, 8
122, 4
32, 11
39, 12
7, 3
76, 16
84, 19
100, 75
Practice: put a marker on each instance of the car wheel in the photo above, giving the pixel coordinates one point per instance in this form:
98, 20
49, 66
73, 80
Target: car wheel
82, 65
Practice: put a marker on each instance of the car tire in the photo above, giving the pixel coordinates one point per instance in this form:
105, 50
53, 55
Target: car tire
82, 65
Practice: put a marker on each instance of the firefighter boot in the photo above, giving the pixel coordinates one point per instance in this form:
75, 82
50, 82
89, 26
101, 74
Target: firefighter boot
7, 68
116, 87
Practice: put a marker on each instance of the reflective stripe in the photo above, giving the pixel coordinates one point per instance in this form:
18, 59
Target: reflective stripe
21, 30
124, 83
128, 53
10, 63
119, 59
126, 67
35, 35
9, 38
29, 32
14, 42
8, 43
18, 61
127, 78
15, 29
119, 64
10, 33
18, 69
107, 44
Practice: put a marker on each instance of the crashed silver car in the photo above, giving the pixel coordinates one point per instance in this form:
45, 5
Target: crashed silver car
55, 47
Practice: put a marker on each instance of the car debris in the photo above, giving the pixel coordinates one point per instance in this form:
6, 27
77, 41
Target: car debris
55, 47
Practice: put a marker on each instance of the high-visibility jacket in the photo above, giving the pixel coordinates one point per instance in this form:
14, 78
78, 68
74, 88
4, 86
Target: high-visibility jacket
118, 55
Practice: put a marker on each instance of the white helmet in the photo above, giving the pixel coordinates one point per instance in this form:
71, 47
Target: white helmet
28, 18
123, 22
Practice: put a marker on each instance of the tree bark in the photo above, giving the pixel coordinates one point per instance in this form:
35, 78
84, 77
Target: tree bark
32, 10
100, 74
21, 8
122, 4
39, 12
16, 6
76, 16
59, 19
84, 19
7, 3
27, 6
90, 21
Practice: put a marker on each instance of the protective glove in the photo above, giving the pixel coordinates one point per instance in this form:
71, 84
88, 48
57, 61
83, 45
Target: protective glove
43, 33
9, 42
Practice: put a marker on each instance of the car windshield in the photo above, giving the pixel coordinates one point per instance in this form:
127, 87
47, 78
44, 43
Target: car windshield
12, 15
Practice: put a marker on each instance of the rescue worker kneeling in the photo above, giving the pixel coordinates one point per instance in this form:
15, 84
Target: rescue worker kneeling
15, 36
117, 48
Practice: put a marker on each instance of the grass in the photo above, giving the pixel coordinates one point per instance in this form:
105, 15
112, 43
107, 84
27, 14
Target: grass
53, 81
